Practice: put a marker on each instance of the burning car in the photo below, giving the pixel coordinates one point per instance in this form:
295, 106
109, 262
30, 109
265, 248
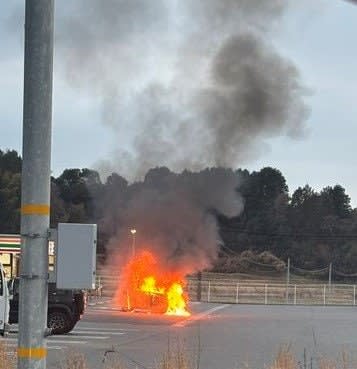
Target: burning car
144, 285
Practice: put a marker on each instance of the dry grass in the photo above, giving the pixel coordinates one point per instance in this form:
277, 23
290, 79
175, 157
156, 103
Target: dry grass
285, 360
7, 357
113, 363
74, 360
178, 358
343, 363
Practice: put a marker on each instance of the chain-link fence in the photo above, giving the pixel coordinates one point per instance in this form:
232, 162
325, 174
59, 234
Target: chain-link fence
256, 292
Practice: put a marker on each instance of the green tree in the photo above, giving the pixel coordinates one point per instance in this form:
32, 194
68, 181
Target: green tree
302, 195
10, 200
10, 161
78, 188
59, 213
336, 202
265, 195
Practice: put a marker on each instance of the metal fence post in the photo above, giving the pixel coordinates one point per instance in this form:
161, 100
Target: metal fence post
295, 295
287, 281
354, 295
237, 294
266, 295
324, 294
288, 272
199, 286
209, 292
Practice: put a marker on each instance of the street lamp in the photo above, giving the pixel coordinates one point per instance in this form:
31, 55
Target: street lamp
133, 232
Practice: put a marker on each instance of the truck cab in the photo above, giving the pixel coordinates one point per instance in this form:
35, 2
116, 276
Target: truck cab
65, 307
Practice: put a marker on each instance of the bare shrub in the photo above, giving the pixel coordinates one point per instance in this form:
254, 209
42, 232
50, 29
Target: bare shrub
249, 261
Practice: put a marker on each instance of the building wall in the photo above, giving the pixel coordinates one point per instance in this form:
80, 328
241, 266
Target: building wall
10, 254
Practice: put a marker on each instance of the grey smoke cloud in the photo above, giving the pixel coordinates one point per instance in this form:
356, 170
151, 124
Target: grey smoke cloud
257, 94
181, 83
189, 84
254, 94
102, 47
173, 215
220, 15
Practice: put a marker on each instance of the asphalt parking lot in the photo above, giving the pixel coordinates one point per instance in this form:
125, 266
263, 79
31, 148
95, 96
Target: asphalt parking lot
217, 336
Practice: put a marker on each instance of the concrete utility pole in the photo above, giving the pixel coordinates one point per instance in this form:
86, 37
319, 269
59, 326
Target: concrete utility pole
35, 206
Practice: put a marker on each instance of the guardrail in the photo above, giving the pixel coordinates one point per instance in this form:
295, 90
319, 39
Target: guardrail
240, 292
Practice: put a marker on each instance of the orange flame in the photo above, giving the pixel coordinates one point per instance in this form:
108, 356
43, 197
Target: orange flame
176, 304
144, 286
149, 286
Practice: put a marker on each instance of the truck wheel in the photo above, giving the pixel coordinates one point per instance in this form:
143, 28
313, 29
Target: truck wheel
59, 322
71, 325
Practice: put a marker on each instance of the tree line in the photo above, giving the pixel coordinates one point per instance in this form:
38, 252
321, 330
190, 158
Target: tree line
314, 228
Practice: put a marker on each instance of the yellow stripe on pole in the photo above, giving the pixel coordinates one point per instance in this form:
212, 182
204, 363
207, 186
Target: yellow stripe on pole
35, 209
32, 352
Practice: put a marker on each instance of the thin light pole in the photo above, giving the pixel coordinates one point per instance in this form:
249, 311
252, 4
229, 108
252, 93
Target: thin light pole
35, 188
330, 275
133, 232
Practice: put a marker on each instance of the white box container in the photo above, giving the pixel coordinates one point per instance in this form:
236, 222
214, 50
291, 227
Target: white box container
76, 256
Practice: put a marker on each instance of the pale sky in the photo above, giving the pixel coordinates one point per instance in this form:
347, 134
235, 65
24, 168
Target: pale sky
318, 36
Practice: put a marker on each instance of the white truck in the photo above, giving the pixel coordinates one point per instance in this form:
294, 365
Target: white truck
4, 303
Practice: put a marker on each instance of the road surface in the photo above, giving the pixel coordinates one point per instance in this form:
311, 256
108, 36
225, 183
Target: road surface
218, 336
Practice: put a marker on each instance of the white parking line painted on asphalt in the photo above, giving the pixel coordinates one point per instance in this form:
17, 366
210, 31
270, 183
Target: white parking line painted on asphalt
79, 336
97, 329
199, 316
88, 337
14, 344
102, 310
11, 341
107, 329
77, 342
84, 331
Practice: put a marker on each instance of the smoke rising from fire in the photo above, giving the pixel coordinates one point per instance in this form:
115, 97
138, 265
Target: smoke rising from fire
174, 215
189, 84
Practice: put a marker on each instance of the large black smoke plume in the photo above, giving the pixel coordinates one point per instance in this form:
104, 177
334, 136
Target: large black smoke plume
189, 84
174, 215
182, 83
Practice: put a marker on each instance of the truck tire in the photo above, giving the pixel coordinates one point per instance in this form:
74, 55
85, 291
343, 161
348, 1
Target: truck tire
59, 322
